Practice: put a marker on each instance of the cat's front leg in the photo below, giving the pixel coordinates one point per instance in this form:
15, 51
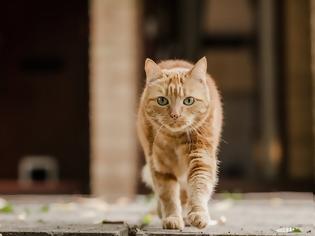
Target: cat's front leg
201, 180
167, 189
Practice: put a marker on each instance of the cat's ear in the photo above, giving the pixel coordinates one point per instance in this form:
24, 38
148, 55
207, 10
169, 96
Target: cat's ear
199, 71
152, 70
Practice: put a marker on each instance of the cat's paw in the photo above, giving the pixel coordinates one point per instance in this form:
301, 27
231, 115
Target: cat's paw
173, 222
198, 219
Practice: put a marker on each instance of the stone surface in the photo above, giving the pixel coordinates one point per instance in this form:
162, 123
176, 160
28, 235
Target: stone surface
30, 229
255, 217
232, 214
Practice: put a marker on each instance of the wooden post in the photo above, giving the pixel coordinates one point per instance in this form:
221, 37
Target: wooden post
270, 150
299, 88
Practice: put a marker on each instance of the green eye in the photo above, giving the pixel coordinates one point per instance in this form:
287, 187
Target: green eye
189, 101
162, 101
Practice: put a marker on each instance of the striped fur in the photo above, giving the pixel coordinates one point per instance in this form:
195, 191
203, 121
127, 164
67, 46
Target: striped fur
180, 154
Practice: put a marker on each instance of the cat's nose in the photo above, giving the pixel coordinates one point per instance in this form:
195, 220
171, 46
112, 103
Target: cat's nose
175, 115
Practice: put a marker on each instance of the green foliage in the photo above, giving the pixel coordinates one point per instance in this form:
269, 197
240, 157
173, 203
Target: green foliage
233, 196
146, 219
296, 230
289, 230
6, 208
44, 208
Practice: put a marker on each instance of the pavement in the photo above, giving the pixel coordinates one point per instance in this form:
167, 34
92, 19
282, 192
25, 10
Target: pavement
232, 214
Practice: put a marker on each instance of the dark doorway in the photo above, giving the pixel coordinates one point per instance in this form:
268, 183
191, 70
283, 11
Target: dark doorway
44, 89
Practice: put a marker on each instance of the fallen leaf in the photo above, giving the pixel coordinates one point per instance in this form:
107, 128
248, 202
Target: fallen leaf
44, 208
21, 216
212, 222
296, 230
222, 220
146, 219
6, 208
288, 230
233, 196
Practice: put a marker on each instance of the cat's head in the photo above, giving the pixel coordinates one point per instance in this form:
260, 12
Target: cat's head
176, 98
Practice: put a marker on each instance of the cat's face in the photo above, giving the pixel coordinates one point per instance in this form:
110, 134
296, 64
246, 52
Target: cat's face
177, 99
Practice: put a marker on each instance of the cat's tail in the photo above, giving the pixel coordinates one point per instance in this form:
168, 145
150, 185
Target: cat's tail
147, 177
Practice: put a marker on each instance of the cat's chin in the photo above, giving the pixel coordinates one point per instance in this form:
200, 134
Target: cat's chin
177, 129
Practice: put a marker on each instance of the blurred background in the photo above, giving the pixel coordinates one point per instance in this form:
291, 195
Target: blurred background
71, 74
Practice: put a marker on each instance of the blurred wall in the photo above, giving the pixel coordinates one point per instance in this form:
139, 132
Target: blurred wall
114, 57
258, 52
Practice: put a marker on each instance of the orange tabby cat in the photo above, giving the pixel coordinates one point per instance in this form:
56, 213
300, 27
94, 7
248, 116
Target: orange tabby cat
179, 127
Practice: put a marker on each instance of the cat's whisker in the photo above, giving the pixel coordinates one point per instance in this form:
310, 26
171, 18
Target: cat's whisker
224, 141
157, 132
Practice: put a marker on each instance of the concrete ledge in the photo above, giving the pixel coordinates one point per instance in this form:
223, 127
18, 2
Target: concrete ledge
248, 230
38, 229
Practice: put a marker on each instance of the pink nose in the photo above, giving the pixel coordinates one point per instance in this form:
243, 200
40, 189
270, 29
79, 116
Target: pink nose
174, 115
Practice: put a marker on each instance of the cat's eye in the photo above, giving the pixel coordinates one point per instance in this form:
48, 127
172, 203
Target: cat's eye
162, 101
189, 101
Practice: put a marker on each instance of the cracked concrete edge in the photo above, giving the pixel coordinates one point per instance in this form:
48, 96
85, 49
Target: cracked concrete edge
65, 230
123, 229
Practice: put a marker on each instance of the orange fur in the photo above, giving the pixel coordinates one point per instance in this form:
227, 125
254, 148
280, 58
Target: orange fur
180, 141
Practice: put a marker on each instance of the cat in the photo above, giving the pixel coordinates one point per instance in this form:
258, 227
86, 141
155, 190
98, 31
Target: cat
179, 127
